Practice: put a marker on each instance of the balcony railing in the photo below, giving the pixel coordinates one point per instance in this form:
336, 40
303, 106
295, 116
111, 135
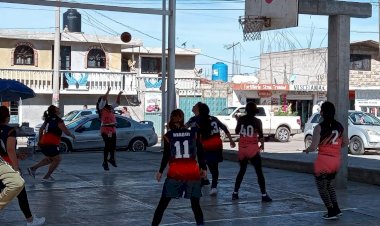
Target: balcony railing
41, 81
89, 82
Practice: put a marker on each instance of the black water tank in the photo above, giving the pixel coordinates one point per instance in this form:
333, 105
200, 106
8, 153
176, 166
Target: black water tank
72, 20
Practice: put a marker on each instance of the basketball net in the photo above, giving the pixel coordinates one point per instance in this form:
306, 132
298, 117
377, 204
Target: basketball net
253, 26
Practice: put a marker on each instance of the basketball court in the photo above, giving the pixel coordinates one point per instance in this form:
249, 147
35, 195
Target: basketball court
128, 195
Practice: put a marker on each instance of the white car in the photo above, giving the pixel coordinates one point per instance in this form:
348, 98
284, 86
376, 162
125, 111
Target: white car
363, 131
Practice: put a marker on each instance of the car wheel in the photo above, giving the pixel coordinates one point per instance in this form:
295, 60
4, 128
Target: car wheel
283, 134
356, 146
137, 144
308, 140
64, 146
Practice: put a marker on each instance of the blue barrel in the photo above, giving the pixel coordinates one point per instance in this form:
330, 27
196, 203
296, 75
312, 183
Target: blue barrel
220, 72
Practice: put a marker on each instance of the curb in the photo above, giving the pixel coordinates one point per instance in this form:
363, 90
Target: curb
362, 175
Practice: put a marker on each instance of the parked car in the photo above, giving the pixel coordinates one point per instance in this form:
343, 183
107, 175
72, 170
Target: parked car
132, 135
281, 127
363, 131
71, 116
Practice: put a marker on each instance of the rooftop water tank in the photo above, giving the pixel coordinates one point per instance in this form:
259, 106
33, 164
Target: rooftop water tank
220, 72
72, 21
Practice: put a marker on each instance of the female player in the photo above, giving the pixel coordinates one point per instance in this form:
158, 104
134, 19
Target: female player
184, 175
251, 133
49, 140
328, 139
8, 142
108, 127
209, 130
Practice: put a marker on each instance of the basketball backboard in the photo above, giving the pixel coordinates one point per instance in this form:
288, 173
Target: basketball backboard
282, 13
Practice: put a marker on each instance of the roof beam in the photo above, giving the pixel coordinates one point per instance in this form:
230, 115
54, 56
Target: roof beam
332, 7
90, 6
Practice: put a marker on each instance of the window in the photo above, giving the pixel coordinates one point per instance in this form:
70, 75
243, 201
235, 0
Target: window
150, 65
24, 55
261, 112
227, 111
96, 58
91, 125
360, 62
316, 118
122, 123
83, 113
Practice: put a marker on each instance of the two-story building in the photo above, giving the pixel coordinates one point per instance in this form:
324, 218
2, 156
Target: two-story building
298, 78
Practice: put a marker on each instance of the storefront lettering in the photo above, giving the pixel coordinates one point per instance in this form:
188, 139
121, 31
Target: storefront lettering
309, 87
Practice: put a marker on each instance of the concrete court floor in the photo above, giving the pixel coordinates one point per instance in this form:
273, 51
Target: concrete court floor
84, 194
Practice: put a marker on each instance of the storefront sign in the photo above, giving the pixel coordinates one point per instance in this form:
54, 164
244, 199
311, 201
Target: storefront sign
308, 87
264, 93
247, 86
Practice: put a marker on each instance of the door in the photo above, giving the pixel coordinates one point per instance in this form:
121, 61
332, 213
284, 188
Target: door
87, 136
124, 132
265, 120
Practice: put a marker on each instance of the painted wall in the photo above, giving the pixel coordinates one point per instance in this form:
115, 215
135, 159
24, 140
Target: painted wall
43, 48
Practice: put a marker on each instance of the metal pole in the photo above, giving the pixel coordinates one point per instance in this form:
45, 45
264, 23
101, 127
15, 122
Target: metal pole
163, 70
172, 104
233, 59
57, 48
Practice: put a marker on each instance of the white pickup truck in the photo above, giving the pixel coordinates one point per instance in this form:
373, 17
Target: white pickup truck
281, 127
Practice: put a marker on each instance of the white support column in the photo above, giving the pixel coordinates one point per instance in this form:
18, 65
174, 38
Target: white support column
338, 79
171, 52
163, 68
57, 54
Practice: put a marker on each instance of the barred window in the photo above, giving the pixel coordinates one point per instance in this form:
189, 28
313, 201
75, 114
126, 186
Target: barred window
24, 55
96, 58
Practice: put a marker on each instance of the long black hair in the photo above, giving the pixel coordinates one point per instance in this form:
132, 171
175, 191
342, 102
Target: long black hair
4, 114
204, 120
177, 119
251, 108
50, 112
328, 111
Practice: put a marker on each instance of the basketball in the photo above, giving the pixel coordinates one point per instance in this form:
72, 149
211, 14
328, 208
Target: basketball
126, 37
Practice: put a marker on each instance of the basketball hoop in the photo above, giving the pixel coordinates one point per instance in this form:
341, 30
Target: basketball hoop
253, 26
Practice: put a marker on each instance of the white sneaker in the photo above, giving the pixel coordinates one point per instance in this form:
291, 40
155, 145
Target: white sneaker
48, 180
213, 192
36, 221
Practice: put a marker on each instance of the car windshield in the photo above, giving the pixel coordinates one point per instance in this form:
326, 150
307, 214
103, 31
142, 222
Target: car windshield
74, 123
361, 118
70, 116
227, 111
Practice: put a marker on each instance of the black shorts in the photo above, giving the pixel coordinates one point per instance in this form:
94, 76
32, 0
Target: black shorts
175, 189
50, 150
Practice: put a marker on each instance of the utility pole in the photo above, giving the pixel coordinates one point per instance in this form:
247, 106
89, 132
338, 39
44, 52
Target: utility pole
57, 55
228, 47
163, 77
172, 100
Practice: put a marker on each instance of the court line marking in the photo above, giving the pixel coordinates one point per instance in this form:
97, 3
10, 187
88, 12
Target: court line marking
258, 217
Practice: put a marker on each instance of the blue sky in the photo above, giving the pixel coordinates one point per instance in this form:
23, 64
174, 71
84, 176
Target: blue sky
203, 25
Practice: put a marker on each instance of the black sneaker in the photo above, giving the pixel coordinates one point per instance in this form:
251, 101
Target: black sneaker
266, 198
330, 216
205, 182
235, 196
113, 162
337, 210
105, 166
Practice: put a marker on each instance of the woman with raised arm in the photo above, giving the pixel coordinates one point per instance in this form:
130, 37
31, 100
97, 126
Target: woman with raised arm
108, 127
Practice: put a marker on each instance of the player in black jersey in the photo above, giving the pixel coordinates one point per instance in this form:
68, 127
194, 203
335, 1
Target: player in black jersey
209, 130
251, 134
328, 139
184, 174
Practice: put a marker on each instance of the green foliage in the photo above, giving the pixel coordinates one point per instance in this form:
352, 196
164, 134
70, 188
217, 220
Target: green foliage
281, 113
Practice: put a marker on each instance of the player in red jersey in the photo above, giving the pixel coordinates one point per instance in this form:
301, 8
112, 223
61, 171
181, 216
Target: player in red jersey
328, 139
251, 133
184, 175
